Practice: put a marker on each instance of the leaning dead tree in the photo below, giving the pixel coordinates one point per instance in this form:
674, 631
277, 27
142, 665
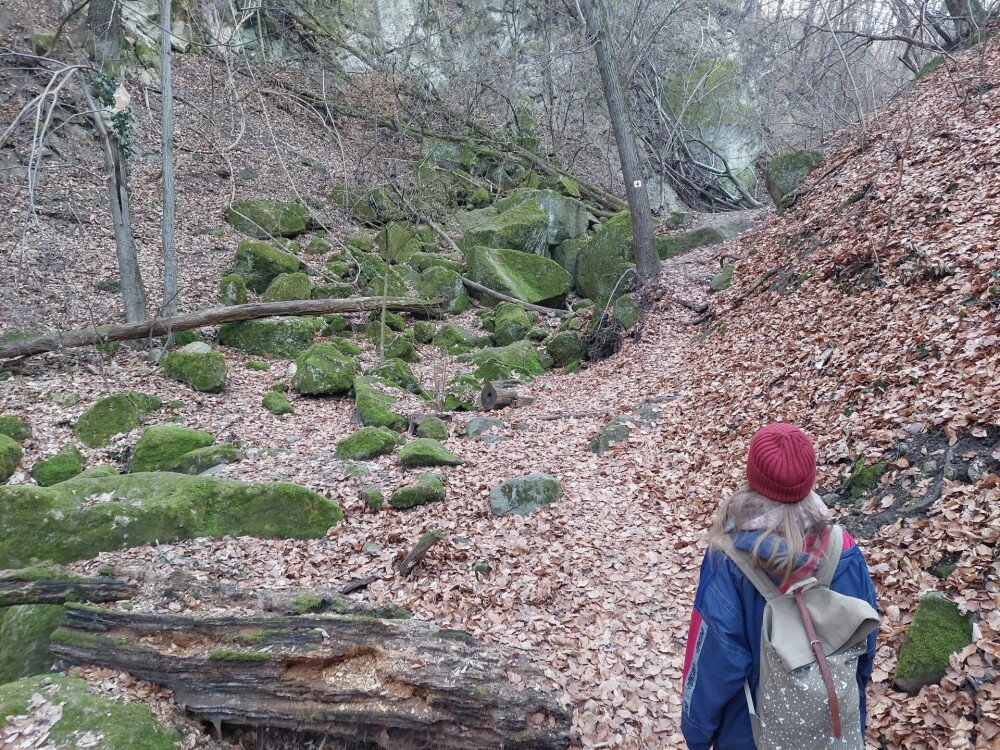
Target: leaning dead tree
400, 684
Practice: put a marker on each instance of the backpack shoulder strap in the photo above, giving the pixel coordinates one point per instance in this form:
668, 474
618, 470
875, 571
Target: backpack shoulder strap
834, 548
760, 580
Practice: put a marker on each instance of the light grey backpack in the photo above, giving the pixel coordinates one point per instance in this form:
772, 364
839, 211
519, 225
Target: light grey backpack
810, 644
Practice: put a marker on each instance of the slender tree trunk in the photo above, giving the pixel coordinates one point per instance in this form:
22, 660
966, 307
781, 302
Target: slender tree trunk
647, 262
170, 291
104, 22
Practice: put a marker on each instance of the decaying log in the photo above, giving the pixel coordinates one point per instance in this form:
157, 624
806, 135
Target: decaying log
52, 586
402, 684
214, 316
421, 548
499, 394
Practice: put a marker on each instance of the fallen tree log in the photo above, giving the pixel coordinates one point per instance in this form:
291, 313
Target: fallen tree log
399, 683
421, 548
499, 394
231, 314
52, 586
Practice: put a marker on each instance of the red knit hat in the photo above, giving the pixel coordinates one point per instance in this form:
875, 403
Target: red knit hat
782, 463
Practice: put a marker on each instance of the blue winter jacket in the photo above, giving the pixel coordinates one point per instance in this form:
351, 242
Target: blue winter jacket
724, 648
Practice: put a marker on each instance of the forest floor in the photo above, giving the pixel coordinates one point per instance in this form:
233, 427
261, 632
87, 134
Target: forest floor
867, 314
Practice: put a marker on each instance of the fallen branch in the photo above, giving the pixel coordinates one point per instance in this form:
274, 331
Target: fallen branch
201, 318
406, 682
477, 287
761, 280
52, 586
421, 548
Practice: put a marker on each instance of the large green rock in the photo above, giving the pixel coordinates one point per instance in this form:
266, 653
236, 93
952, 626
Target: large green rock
10, 457
323, 370
429, 488
787, 171
338, 290
566, 217
288, 286
113, 415
443, 284
367, 443
376, 277
202, 459
260, 263
270, 337
422, 261
397, 373
24, 639
531, 278
522, 495
603, 263
565, 348
938, 630
433, 428
427, 452
566, 254
161, 447
85, 720
198, 366
265, 218
520, 360
462, 392
524, 227
277, 403
58, 468
75, 520
233, 289
399, 240
375, 407
455, 339
15, 428
394, 345
510, 323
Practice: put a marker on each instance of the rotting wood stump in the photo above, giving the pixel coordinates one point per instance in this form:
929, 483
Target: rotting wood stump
54, 586
499, 394
402, 684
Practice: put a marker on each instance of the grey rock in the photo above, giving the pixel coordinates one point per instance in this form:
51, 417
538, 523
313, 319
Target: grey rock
522, 495
370, 548
479, 425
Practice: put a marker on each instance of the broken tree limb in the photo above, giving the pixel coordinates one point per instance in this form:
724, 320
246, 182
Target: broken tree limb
406, 682
52, 586
499, 394
214, 316
476, 287
421, 548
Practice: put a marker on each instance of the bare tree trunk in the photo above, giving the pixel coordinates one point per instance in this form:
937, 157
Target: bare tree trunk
104, 21
170, 292
647, 262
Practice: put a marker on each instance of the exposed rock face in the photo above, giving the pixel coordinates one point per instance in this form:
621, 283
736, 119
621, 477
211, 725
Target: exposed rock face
787, 171
24, 639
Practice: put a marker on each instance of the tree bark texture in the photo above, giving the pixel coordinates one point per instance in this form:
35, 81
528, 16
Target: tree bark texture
22, 587
170, 290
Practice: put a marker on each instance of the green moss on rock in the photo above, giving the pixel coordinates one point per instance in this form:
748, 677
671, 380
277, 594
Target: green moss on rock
455, 339
375, 407
433, 428
161, 447
523, 227
423, 332
268, 218
76, 519
520, 360
277, 403
238, 654
58, 468
462, 392
371, 495
113, 415
626, 311
261, 262
398, 373
24, 639
564, 348
787, 171
527, 277
523, 495
445, 285
288, 286
10, 457
678, 244
938, 630
603, 263
722, 280
367, 443
85, 715
15, 428
202, 459
422, 261
233, 289
198, 366
429, 488
510, 323
324, 370
566, 218
427, 452
269, 337
394, 345
332, 291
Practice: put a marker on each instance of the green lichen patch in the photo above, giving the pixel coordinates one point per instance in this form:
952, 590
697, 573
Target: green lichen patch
10, 457
161, 447
429, 488
113, 415
15, 428
520, 360
24, 639
376, 407
530, 278
277, 403
510, 323
238, 654
198, 366
938, 630
259, 263
288, 286
58, 468
787, 171
233, 289
324, 370
523, 495
85, 716
269, 337
202, 459
427, 452
268, 218
398, 373
367, 443
433, 429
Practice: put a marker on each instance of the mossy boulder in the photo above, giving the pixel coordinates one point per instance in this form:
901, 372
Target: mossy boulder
423, 332
200, 460
433, 429
64, 465
260, 263
524, 227
398, 373
722, 280
566, 218
616, 430
626, 311
10, 457
161, 447
565, 348
270, 337
367, 443
443, 284
785, 172
678, 244
398, 240
429, 488
531, 278
462, 392
938, 630
233, 289
24, 639
523, 495
324, 370
288, 286
427, 452
15, 428
372, 496
277, 403
566, 254
113, 415
376, 277
422, 261
76, 519
376, 407
198, 366
332, 291
510, 323
603, 263
455, 339
520, 360
84, 718
267, 218
394, 345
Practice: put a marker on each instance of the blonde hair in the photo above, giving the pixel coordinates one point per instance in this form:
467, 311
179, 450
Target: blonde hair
748, 510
